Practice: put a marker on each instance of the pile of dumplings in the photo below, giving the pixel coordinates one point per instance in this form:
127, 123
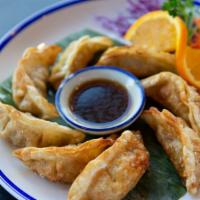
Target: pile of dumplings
103, 168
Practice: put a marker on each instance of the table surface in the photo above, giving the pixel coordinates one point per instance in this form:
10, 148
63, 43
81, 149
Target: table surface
20, 9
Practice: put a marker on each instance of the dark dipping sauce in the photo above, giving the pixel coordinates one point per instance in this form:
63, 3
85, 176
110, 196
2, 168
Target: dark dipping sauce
99, 101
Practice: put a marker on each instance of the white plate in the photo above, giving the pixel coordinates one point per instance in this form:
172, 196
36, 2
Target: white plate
49, 25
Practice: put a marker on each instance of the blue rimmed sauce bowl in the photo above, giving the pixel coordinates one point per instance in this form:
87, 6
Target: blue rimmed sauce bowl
135, 91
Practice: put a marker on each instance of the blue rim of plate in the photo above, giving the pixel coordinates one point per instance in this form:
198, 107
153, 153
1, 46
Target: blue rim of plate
14, 187
99, 130
17, 192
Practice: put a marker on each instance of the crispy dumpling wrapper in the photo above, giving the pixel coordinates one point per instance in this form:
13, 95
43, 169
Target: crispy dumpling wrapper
180, 142
171, 91
62, 164
76, 56
141, 62
23, 130
114, 172
30, 80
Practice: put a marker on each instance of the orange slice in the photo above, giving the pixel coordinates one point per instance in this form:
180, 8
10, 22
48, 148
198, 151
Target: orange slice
159, 31
188, 65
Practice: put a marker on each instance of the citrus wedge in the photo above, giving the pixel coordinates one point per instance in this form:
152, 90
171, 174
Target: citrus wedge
159, 31
188, 65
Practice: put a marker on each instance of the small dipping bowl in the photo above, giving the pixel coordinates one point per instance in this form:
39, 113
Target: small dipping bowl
136, 99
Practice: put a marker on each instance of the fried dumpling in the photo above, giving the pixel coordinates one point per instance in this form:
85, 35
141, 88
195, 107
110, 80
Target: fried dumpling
62, 164
24, 130
171, 91
114, 172
181, 143
141, 62
76, 56
30, 79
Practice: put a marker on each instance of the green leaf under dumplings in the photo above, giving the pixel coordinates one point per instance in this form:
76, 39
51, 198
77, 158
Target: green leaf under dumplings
6, 92
160, 182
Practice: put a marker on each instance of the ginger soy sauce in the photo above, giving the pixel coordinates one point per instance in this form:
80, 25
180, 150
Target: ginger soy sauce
99, 101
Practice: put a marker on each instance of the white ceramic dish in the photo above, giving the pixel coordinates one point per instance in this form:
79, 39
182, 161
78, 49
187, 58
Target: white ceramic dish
49, 25
124, 78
